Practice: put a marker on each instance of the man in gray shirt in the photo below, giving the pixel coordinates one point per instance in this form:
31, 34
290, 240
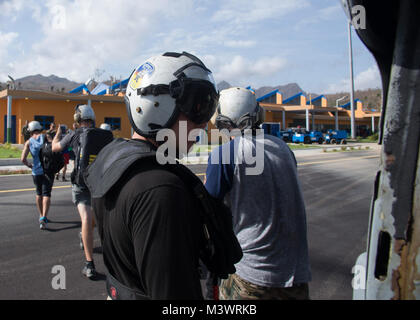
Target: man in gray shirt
267, 205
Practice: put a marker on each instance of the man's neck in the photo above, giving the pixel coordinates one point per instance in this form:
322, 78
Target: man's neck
139, 137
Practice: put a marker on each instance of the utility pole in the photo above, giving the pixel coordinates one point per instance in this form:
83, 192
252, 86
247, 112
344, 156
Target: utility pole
352, 115
336, 111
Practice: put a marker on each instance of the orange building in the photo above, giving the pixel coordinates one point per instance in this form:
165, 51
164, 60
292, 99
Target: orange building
313, 113
47, 107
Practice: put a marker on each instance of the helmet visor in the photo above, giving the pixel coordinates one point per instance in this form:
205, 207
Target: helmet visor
198, 100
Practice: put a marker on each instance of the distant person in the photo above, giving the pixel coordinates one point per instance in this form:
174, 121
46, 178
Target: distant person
66, 156
25, 132
42, 181
84, 117
51, 132
269, 217
105, 126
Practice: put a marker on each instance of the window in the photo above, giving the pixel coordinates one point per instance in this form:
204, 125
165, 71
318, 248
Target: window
115, 123
45, 121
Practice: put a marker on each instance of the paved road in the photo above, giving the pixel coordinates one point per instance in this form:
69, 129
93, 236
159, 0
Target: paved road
337, 189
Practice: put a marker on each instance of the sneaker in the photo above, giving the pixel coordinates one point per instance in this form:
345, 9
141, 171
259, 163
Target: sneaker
57, 176
89, 270
42, 223
64, 179
81, 241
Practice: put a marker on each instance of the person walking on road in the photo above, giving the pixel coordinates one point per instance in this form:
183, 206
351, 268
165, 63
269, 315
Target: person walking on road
269, 217
85, 117
43, 182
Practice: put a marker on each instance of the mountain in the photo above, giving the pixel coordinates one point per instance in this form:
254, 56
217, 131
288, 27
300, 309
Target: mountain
223, 85
288, 90
371, 98
40, 82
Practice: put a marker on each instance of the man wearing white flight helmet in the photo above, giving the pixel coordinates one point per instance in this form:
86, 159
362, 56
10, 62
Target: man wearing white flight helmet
147, 216
268, 211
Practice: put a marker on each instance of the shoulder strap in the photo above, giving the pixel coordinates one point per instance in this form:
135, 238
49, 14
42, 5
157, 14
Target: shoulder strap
111, 163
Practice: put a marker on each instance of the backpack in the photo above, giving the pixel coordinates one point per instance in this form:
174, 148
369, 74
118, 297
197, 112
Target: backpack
51, 162
220, 250
90, 143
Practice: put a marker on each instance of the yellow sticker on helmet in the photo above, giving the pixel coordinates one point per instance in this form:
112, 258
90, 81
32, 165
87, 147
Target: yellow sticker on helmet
138, 75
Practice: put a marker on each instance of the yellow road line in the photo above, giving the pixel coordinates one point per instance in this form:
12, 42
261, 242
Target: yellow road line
32, 189
336, 160
59, 187
203, 174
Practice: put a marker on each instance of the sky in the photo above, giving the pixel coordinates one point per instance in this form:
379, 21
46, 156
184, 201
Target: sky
257, 43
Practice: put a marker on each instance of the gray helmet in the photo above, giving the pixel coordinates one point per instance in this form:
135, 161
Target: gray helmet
84, 112
105, 126
238, 109
34, 126
165, 85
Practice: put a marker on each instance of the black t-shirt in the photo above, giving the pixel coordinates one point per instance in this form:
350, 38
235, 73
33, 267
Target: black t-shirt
150, 232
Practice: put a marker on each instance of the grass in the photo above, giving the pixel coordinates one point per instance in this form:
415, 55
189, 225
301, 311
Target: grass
7, 151
302, 146
372, 138
346, 149
9, 172
209, 148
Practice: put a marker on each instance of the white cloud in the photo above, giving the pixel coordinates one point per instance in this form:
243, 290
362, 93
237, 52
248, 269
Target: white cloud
240, 43
251, 11
80, 36
6, 39
369, 78
242, 71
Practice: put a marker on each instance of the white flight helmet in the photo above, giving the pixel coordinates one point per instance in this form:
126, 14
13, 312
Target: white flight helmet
165, 85
83, 112
105, 126
238, 109
34, 126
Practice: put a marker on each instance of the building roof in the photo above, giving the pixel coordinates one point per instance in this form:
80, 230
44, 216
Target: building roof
315, 99
347, 105
100, 88
49, 95
80, 89
293, 97
268, 95
121, 84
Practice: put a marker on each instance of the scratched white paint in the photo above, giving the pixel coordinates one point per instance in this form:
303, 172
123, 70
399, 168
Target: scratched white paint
382, 221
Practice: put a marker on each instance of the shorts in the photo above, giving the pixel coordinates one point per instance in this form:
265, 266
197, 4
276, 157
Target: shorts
80, 195
66, 157
236, 288
43, 184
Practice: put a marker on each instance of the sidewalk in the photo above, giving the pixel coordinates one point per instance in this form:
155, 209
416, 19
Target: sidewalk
13, 165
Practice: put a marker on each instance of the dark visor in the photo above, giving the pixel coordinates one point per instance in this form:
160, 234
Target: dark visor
196, 98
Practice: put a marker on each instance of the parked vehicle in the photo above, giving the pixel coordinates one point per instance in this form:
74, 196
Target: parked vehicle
336, 137
316, 137
302, 136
